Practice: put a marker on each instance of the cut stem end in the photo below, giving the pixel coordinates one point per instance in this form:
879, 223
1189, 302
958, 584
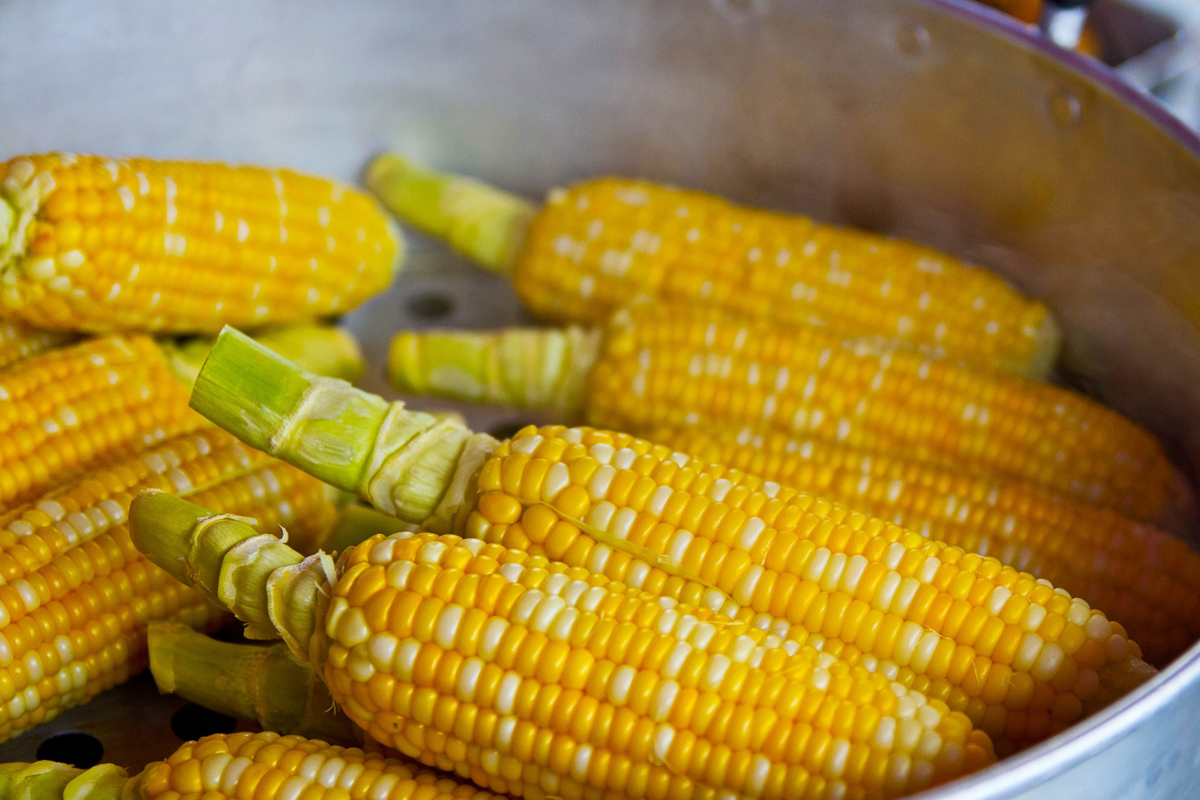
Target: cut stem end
480, 221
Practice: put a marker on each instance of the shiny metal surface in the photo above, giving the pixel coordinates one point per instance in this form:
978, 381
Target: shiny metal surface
925, 118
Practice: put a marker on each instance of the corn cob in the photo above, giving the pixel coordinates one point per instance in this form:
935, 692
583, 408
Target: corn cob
67, 410
105, 648
75, 595
18, 341
94, 244
1138, 574
595, 246
1021, 658
272, 687
237, 766
70, 409
461, 658
658, 365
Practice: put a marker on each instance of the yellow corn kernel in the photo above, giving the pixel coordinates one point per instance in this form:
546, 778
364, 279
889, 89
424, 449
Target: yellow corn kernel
76, 595
67, 410
1095, 554
916, 589
19, 341
240, 766
813, 572
640, 664
98, 244
674, 367
596, 245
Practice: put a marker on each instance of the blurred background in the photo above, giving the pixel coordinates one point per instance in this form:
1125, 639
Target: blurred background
1153, 44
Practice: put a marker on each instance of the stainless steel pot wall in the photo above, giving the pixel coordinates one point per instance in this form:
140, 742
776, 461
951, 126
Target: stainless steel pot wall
927, 119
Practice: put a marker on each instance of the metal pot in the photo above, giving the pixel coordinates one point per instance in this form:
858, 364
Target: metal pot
931, 119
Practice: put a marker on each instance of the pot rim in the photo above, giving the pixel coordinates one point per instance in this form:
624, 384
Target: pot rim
997, 22
1102, 730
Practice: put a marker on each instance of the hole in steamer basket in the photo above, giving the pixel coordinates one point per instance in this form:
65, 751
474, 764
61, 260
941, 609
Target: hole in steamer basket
193, 722
431, 305
80, 750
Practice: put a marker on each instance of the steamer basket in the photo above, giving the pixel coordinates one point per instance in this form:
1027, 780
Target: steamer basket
931, 119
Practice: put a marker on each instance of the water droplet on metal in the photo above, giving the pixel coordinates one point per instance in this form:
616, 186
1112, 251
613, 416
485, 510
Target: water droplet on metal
914, 40
740, 9
1065, 108
431, 305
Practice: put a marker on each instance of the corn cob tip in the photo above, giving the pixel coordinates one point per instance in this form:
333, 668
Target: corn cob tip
20, 193
160, 636
480, 221
322, 349
405, 463
257, 395
380, 169
165, 529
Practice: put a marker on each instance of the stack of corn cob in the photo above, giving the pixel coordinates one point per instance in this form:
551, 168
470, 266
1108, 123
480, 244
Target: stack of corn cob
594, 247
993, 464
76, 595
594, 614
122, 249
858, 407
573, 612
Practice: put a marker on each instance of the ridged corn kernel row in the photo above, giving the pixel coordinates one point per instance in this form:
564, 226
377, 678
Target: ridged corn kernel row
76, 594
1021, 658
98, 244
208, 462
101, 644
596, 245
18, 341
244, 766
540, 679
669, 366
1140, 575
266, 765
67, 410
555, 678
